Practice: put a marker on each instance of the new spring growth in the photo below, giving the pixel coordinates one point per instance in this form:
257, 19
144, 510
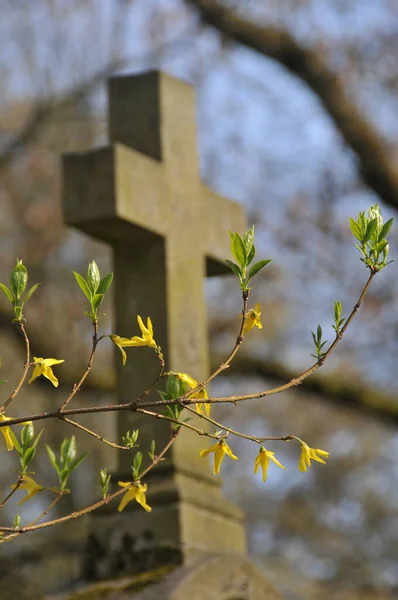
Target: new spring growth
175, 388
371, 234
26, 446
105, 479
318, 343
243, 250
67, 461
94, 288
18, 283
338, 321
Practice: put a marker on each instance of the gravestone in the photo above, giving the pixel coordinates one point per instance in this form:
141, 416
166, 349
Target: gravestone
143, 195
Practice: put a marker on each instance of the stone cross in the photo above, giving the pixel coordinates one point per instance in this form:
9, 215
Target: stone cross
143, 195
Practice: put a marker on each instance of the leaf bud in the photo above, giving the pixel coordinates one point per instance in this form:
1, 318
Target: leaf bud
93, 276
19, 279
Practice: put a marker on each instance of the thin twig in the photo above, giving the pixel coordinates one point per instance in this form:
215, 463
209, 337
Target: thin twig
94, 434
92, 507
25, 371
252, 438
224, 365
14, 489
157, 403
78, 385
46, 510
137, 400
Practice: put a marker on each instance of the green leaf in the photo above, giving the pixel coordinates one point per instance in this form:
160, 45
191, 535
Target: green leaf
27, 457
257, 267
234, 268
17, 521
248, 239
319, 333
238, 248
370, 230
70, 450
385, 229
151, 452
53, 459
96, 301
83, 285
174, 388
18, 279
36, 441
337, 310
360, 250
381, 245
105, 284
15, 441
93, 276
251, 255
27, 433
362, 222
30, 292
355, 229
77, 462
7, 292
137, 463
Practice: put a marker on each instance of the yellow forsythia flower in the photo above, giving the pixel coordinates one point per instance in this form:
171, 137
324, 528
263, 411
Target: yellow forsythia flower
262, 460
31, 486
135, 492
220, 449
6, 431
253, 319
145, 340
43, 367
308, 454
199, 394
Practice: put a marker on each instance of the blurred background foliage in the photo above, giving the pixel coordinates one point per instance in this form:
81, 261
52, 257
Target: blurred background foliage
298, 121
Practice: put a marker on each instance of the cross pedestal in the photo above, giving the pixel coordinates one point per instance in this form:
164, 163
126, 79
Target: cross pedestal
143, 195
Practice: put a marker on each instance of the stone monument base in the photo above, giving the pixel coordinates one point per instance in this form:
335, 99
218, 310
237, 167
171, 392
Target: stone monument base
218, 577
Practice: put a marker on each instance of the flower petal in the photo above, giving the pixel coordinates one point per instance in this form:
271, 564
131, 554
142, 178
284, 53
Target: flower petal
48, 373
141, 499
144, 330
128, 497
36, 373
272, 457
228, 451
52, 361
6, 432
150, 326
219, 453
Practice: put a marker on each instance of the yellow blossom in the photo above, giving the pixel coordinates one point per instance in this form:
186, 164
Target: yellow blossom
199, 394
220, 449
43, 367
135, 492
145, 340
253, 319
6, 431
308, 454
262, 460
31, 486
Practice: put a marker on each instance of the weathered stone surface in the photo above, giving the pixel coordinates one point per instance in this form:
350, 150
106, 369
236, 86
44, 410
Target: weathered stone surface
212, 578
144, 196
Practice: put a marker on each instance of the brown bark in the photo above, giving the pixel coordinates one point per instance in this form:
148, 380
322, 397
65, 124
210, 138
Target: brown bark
375, 166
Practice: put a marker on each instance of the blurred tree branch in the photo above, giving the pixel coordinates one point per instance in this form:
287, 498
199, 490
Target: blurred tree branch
45, 110
330, 387
375, 165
